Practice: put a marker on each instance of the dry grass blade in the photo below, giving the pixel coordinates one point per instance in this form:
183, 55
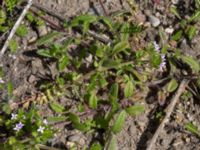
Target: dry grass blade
169, 111
18, 22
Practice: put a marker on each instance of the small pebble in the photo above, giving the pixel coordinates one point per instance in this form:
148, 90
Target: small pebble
74, 138
154, 21
42, 30
187, 140
175, 2
169, 30
31, 79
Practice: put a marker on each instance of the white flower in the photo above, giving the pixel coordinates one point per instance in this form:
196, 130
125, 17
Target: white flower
45, 121
156, 46
18, 126
40, 129
13, 116
1, 81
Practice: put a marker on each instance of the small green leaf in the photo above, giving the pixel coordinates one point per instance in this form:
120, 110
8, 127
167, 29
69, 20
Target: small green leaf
63, 63
113, 93
192, 128
10, 89
74, 118
47, 38
125, 31
13, 45
129, 88
173, 10
82, 19
194, 64
93, 100
86, 26
82, 127
119, 47
119, 122
44, 53
6, 108
177, 36
172, 85
109, 63
195, 16
22, 30
57, 107
135, 110
191, 32
107, 21
96, 146
112, 143
155, 59
2, 17
102, 81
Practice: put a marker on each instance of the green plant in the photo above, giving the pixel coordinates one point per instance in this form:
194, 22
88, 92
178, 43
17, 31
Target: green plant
23, 129
192, 128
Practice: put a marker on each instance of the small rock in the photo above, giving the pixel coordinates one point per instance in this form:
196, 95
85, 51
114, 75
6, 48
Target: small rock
177, 142
70, 144
42, 30
140, 17
175, 2
154, 21
169, 30
187, 140
132, 129
31, 79
74, 138
82, 142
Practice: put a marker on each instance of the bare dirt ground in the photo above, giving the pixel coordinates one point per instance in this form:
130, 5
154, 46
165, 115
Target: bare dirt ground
27, 71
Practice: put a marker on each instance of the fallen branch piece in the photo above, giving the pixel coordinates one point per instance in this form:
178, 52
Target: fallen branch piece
18, 22
169, 111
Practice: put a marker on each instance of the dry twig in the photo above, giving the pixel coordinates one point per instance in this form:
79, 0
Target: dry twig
18, 22
104, 10
169, 111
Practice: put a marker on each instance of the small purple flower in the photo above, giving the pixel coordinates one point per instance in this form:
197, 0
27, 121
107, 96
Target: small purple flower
163, 59
13, 116
18, 126
40, 129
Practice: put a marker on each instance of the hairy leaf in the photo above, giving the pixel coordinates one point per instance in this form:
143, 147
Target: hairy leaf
119, 47
172, 85
194, 64
119, 122
57, 107
47, 38
93, 100
129, 88
135, 110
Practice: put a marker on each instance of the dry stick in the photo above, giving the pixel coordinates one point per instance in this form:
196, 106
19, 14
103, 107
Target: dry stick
104, 10
169, 110
18, 22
